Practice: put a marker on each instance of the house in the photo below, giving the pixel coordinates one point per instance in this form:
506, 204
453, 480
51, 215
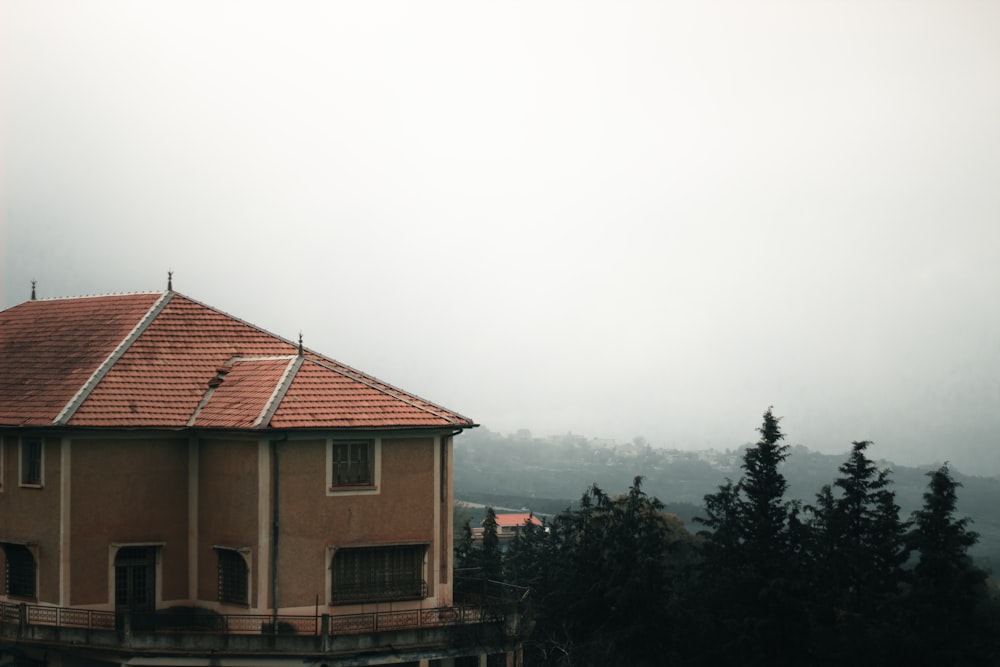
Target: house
509, 524
178, 486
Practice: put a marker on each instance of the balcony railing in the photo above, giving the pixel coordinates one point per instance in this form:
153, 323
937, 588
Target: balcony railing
201, 620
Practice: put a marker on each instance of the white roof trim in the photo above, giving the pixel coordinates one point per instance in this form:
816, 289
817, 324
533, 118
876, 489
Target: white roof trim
280, 389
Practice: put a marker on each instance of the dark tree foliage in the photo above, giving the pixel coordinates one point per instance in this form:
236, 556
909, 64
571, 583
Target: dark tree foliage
753, 597
763, 526
603, 595
951, 613
464, 557
855, 556
489, 558
842, 582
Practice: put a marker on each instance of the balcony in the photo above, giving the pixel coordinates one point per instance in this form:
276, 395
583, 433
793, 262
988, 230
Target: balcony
493, 622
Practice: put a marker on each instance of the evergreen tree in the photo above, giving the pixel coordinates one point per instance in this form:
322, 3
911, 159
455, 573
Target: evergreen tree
490, 558
464, 557
856, 554
952, 621
763, 525
862, 536
751, 606
603, 596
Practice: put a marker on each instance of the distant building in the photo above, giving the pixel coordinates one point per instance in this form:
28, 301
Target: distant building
178, 486
508, 525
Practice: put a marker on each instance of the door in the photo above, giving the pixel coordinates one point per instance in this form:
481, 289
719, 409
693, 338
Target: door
135, 585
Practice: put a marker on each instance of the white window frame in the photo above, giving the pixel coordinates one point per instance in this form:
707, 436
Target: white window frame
359, 490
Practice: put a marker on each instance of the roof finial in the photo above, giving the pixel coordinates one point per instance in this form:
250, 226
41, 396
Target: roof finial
300, 343
32, 290
170, 281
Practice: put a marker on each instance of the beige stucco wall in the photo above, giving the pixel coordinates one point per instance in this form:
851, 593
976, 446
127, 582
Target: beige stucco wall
189, 494
227, 508
127, 491
312, 521
30, 514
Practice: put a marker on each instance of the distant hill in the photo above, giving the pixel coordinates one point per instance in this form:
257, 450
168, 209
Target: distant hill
546, 475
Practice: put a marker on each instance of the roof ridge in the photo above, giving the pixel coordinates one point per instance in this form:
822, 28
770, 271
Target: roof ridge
280, 389
84, 391
94, 296
405, 396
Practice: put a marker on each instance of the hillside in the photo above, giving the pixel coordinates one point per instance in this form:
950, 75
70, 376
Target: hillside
546, 475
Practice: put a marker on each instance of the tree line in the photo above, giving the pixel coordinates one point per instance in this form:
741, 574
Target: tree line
844, 580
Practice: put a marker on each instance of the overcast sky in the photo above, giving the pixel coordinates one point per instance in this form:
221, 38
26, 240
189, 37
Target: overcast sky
615, 218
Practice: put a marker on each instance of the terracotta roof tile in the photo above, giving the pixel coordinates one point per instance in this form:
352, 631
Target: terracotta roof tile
154, 360
330, 393
50, 348
514, 519
244, 393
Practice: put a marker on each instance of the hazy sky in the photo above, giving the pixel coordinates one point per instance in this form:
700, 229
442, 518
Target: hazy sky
615, 218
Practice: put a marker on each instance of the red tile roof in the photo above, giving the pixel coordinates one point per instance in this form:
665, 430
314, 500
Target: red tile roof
165, 360
516, 519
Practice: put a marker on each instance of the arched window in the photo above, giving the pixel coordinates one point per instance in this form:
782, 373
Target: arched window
234, 576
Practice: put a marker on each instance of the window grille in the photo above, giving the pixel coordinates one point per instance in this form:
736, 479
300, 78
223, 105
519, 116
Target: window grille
31, 461
353, 463
233, 577
135, 577
20, 571
372, 574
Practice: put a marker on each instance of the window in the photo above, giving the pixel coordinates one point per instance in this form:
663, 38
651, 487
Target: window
372, 574
353, 463
233, 576
31, 461
19, 573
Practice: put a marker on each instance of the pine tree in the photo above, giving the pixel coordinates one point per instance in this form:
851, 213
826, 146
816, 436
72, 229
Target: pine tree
490, 557
463, 549
951, 617
602, 596
752, 571
763, 525
855, 558
944, 574
868, 551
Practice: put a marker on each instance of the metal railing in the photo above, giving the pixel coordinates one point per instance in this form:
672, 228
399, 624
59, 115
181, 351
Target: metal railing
202, 620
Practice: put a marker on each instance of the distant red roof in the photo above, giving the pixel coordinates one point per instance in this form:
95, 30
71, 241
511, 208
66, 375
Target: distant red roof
165, 360
516, 519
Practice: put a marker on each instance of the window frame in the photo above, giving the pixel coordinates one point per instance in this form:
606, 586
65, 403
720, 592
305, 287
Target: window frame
24, 554
25, 479
372, 481
233, 572
375, 574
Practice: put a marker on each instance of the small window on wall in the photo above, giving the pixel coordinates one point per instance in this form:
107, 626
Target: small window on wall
352, 463
234, 577
20, 572
31, 461
375, 574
